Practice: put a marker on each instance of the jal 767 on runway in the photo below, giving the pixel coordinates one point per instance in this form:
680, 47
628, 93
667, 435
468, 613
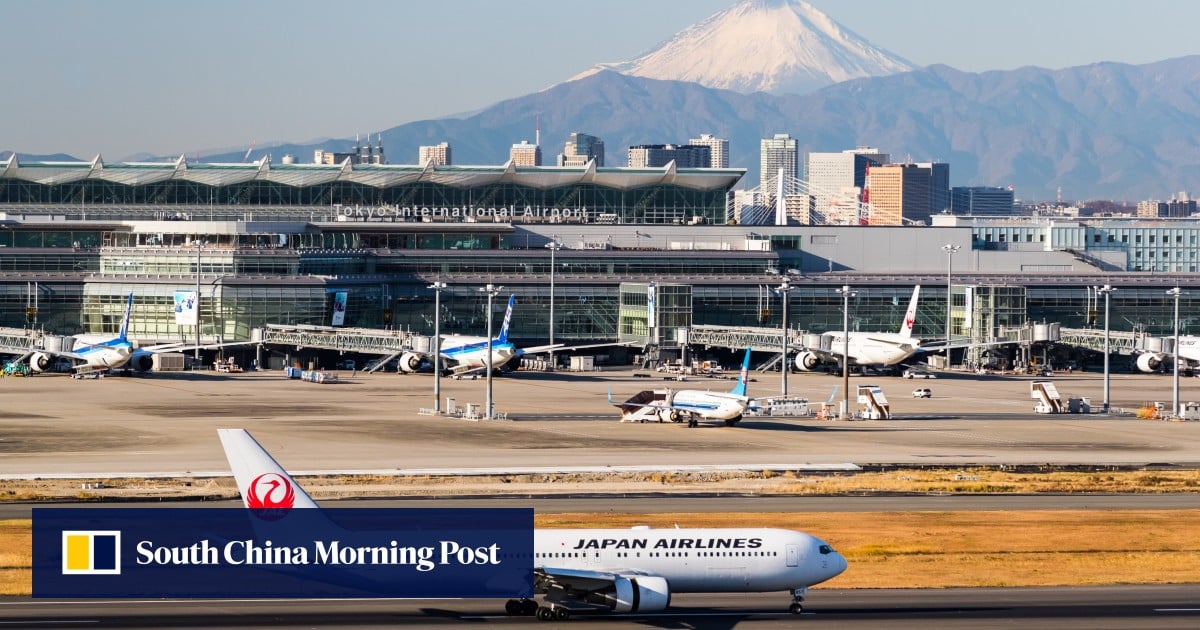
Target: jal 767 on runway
593, 571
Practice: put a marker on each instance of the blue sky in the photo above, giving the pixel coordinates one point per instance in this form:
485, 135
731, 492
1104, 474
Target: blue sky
122, 77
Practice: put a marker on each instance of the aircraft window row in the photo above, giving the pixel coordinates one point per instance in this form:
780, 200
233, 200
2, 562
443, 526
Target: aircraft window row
675, 554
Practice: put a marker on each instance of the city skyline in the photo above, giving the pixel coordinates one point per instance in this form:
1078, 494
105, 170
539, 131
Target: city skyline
119, 79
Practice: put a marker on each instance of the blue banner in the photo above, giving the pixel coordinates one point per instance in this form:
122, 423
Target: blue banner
236, 552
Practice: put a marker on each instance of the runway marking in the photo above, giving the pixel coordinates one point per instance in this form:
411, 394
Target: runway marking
29, 622
1177, 610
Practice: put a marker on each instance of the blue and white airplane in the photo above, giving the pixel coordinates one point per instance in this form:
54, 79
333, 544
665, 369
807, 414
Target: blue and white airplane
462, 354
97, 352
692, 404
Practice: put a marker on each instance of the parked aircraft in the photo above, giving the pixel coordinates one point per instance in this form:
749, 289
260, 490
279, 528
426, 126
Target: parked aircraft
595, 571
693, 404
866, 348
1189, 356
463, 354
97, 352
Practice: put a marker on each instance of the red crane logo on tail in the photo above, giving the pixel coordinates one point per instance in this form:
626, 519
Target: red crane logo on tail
270, 491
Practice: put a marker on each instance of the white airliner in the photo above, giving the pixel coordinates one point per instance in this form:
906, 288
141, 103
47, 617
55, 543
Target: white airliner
97, 352
866, 348
1189, 356
589, 571
692, 404
463, 354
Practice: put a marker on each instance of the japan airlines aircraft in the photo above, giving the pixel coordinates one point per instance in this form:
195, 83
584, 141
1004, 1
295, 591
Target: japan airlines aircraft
590, 571
693, 404
462, 354
1188, 357
866, 348
96, 352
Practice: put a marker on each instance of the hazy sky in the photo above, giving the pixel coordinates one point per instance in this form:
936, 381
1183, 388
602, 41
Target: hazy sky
121, 77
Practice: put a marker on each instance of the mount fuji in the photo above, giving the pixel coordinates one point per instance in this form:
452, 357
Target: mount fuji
773, 46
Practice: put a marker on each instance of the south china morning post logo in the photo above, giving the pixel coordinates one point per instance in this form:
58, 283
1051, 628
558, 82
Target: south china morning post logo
91, 552
222, 552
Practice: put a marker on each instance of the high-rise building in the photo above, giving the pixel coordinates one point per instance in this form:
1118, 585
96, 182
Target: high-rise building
580, 149
525, 154
774, 154
659, 155
836, 181
900, 194
438, 154
719, 148
980, 201
939, 186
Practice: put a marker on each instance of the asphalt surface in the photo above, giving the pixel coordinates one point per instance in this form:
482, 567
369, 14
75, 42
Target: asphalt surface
166, 424
1091, 608
52, 425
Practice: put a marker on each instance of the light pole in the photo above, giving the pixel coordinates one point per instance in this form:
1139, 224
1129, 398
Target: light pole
492, 291
196, 351
846, 293
783, 290
437, 345
949, 249
1175, 293
553, 246
1106, 290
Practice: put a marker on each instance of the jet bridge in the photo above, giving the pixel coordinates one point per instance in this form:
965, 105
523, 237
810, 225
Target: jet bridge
874, 404
364, 340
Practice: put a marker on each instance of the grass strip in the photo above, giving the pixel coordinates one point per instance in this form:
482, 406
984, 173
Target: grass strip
908, 549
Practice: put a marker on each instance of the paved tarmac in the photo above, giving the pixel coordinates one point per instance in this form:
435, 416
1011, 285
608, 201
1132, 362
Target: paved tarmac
1100, 608
166, 424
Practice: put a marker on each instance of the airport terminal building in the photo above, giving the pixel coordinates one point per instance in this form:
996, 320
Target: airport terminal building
265, 244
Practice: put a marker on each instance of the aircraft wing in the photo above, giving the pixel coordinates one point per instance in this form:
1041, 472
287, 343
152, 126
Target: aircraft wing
557, 578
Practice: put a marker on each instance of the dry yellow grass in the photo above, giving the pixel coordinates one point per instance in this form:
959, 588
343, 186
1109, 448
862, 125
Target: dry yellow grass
908, 549
16, 557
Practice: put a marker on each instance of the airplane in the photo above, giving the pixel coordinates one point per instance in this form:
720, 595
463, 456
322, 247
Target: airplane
866, 348
463, 354
1188, 356
694, 404
597, 571
98, 352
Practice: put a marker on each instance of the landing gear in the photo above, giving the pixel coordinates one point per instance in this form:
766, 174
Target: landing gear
797, 606
692, 421
546, 613
521, 607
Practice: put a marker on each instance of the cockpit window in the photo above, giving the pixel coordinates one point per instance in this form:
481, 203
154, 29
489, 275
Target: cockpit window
825, 549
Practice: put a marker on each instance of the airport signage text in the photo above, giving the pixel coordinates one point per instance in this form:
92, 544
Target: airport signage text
504, 213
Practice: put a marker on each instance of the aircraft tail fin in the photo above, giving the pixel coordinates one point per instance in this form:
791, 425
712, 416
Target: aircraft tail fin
740, 388
503, 338
910, 316
125, 320
262, 482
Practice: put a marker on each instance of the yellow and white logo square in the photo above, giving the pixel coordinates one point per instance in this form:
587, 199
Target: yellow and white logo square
91, 552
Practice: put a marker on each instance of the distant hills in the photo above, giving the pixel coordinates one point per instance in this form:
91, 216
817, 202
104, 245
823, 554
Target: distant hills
1106, 130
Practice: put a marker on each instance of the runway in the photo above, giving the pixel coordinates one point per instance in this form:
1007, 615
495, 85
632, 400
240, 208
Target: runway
1101, 608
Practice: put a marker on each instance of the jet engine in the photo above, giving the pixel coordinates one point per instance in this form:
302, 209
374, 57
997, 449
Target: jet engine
667, 414
1149, 362
410, 362
807, 361
40, 362
141, 363
642, 593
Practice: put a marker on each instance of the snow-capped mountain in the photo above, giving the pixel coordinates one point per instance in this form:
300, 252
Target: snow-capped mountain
774, 46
